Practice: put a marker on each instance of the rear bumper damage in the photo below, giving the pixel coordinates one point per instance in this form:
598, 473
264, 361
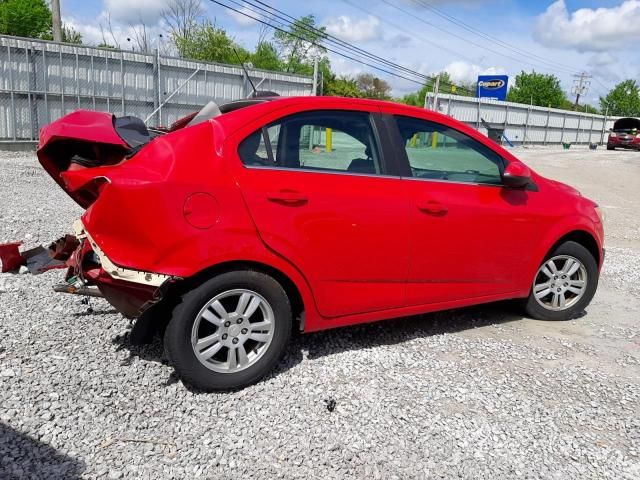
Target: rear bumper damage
131, 292
90, 272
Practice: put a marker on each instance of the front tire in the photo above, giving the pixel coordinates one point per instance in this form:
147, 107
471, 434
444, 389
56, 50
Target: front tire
564, 284
230, 331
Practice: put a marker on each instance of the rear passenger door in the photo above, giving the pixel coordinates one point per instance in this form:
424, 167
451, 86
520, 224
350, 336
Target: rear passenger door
322, 196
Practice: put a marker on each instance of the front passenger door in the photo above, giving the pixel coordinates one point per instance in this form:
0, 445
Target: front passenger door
468, 232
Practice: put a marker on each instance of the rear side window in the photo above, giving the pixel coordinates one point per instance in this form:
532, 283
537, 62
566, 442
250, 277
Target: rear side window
333, 141
438, 152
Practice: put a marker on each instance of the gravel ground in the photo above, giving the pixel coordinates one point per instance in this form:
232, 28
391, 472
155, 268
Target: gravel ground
473, 393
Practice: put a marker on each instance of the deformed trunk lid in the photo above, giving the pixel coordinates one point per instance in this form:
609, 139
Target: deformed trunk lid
79, 141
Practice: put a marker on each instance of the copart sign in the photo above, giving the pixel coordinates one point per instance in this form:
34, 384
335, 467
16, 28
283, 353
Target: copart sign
492, 86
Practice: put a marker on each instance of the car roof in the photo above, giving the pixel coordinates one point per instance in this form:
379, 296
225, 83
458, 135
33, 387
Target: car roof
263, 105
320, 99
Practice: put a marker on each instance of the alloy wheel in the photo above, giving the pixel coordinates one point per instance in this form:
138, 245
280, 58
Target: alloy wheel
560, 283
233, 331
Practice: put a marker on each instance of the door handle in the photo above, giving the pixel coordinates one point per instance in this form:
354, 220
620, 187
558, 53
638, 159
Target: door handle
432, 207
287, 197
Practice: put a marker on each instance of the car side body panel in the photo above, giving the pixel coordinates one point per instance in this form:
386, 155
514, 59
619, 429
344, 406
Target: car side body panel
357, 249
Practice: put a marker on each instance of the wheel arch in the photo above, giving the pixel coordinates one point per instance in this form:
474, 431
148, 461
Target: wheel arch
581, 237
290, 287
575, 229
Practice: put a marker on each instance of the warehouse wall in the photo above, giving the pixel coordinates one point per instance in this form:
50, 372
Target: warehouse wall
525, 124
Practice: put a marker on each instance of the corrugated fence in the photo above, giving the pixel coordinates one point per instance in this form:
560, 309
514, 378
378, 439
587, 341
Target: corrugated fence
525, 124
41, 81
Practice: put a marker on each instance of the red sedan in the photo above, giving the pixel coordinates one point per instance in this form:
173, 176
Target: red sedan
246, 220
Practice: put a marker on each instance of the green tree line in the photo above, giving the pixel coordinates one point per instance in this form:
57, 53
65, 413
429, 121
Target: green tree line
296, 50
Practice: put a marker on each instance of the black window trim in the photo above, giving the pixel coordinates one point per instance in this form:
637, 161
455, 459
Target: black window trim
400, 152
381, 139
267, 144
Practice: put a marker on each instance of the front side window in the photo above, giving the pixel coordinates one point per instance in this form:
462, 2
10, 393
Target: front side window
438, 152
333, 141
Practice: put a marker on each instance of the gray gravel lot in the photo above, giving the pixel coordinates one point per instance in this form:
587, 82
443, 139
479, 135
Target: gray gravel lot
474, 393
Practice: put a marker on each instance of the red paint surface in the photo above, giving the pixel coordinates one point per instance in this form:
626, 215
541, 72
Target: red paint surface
10, 256
358, 248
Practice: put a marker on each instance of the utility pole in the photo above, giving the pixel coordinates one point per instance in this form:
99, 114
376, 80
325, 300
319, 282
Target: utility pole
315, 77
604, 124
580, 85
56, 20
436, 88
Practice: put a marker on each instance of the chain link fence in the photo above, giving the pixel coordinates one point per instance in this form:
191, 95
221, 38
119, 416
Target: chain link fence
41, 81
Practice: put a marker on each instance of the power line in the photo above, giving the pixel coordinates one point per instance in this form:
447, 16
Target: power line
403, 29
315, 43
339, 43
337, 40
424, 39
486, 36
290, 20
595, 77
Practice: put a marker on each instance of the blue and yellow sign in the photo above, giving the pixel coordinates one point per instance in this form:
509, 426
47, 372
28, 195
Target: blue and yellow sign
492, 86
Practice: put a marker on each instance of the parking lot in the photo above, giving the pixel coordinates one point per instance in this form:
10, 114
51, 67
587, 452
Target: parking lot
473, 393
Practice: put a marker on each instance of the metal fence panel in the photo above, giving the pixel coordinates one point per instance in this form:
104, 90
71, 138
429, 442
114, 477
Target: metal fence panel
41, 81
524, 123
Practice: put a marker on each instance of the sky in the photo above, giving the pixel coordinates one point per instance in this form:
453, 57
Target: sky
563, 37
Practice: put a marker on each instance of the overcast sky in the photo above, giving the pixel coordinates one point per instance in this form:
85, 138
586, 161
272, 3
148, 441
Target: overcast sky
561, 37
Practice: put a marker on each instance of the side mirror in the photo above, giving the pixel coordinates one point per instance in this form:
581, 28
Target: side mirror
516, 175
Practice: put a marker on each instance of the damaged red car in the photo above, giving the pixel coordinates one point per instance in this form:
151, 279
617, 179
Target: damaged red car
246, 220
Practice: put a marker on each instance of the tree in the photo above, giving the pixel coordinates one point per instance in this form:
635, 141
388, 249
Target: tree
300, 46
211, 44
537, 89
446, 86
182, 16
25, 18
69, 35
623, 100
373, 87
586, 108
266, 57
341, 87
140, 37
104, 42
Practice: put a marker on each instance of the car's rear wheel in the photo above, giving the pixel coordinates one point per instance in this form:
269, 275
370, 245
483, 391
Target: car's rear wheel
609, 147
230, 331
564, 284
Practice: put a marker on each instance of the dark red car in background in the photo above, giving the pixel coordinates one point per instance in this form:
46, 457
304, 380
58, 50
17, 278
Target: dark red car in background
624, 134
252, 218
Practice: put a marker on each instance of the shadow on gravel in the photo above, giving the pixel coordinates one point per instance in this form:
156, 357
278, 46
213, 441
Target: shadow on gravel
388, 332
22, 457
396, 331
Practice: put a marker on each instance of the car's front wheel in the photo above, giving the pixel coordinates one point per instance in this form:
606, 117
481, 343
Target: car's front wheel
564, 284
230, 331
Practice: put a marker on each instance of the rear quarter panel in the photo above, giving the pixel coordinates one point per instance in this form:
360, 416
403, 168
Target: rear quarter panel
139, 219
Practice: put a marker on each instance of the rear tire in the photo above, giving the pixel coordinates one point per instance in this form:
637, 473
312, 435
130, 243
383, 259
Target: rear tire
564, 284
230, 331
610, 148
